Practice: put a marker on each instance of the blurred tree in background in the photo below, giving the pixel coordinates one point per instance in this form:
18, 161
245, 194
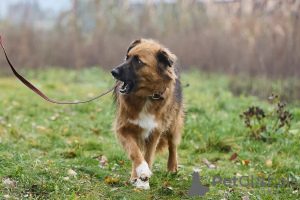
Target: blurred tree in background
250, 37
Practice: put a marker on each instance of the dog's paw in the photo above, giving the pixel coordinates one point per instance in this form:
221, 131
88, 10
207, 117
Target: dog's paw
143, 171
142, 184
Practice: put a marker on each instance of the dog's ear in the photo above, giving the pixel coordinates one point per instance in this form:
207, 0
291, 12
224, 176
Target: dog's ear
165, 59
133, 44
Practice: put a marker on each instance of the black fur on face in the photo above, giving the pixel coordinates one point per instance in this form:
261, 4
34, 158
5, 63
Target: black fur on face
163, 62
127, 73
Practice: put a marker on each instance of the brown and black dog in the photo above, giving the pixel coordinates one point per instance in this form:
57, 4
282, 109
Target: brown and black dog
149, 107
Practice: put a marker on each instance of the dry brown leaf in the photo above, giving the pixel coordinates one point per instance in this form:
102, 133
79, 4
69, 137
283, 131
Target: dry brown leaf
245, 162
167, 184
41, 128
110, 180
136, 190
233, 157
149, 196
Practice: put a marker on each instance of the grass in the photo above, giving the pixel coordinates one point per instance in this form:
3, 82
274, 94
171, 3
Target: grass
40, 142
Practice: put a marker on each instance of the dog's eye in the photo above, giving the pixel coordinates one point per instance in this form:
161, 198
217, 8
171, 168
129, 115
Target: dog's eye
139, 61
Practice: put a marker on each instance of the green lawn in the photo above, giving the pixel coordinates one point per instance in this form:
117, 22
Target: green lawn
40, 142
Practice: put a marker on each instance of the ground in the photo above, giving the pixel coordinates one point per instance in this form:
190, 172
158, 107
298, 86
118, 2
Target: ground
50, 151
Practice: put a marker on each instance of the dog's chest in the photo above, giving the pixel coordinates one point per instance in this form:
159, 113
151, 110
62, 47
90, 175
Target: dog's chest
146, 121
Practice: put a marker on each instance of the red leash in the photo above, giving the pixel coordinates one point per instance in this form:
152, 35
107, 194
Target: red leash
30, 86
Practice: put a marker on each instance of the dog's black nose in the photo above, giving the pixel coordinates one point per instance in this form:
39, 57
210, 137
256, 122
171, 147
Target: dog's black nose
115, 72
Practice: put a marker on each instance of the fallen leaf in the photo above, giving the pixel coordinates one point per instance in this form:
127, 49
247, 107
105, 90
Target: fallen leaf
269, 163
245, 162
107, 179
166, 184
238, 175
231, 190
66, 129
103, 160
110, 180
197, 160
136, 190
96, 132
92, 117
194, 116
121, 162
66, 178
9, 181
72, 172
127, 183
114, 189
233, 157
198, 138
149, 196
251, 169
41, 128
210, 165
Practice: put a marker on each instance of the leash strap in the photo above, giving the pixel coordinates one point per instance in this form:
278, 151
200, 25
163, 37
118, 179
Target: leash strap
30, 86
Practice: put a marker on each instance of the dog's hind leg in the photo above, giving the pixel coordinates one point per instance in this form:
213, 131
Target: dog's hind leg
174, 137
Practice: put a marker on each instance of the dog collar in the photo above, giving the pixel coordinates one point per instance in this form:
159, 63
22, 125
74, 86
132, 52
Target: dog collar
158, 96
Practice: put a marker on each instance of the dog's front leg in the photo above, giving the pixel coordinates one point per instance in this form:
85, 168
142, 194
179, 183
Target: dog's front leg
141, 170
150, 147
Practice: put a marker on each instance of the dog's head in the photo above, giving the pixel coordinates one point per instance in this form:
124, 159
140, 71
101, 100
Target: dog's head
147, 69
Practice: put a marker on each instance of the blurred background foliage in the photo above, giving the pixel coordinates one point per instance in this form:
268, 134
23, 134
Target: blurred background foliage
255, 42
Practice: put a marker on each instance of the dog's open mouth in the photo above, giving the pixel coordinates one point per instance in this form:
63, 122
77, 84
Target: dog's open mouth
126, 87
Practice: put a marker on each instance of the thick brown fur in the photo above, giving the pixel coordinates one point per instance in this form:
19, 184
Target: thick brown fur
154, 73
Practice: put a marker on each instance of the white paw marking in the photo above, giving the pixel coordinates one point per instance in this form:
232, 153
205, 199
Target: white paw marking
146, 121
143, 171
142, 184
